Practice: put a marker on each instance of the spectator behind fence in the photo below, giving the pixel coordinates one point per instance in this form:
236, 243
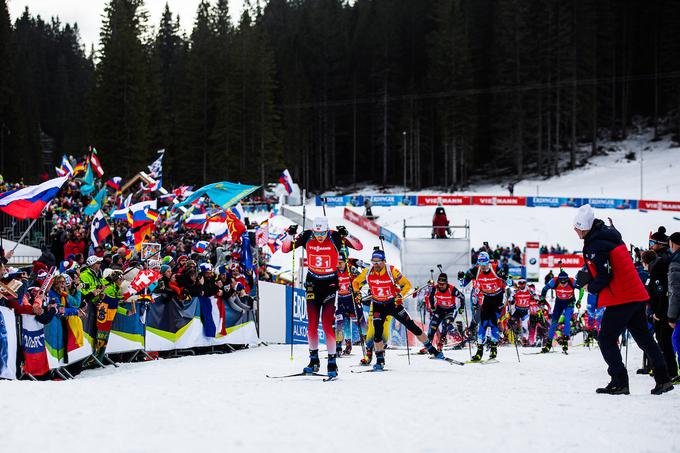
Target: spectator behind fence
674, 292
440, 224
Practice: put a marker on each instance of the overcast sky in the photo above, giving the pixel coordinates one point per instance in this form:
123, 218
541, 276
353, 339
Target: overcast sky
88, 13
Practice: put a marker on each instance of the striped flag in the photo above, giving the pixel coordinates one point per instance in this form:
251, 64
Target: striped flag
96, 164
28, 203
100, 229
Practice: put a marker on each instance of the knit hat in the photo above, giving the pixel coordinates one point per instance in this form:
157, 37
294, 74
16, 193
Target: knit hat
164, 268
660, 236
675, 238
443, 278
378, 255
584, 218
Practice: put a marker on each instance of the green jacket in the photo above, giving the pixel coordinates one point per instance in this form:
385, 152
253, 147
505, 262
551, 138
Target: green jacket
90, 281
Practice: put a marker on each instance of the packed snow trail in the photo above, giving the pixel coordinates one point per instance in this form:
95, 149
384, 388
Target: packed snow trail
225, 402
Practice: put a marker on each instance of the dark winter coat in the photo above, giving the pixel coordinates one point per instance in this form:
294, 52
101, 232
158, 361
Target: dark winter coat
674, 287
614, 278
657, 285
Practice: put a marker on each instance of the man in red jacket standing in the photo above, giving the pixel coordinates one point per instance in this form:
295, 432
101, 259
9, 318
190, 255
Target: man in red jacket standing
612, 276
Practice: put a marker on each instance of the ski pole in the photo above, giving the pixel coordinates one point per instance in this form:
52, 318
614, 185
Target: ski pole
354, 301
389, 274
292, 301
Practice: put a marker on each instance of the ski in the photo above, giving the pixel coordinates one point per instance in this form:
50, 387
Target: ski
540, 352
296, 375
330, 378
483, 362
449, 360
369, 371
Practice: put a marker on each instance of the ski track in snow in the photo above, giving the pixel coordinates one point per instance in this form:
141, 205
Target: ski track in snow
223, 402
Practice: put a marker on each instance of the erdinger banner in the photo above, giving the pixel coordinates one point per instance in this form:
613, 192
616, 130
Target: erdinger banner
611, 203
554, 202
571, 261
8, 344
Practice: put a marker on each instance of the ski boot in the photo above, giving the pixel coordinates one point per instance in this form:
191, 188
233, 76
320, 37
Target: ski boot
432, 350
494, 351
369, 357
379, 361
332, 366
663, 384
613, 389
314, 363
348, 347
565, 344
422, 351
479, 354
547, 346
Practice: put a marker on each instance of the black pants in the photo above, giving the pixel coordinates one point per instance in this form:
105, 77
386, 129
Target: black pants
615, 320
664, 336
440, 314
382, 310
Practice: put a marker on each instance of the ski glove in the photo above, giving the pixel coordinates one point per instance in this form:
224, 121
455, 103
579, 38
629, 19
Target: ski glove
342, 231
292, 230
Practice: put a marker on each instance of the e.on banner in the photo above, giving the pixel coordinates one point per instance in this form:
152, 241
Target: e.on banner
499, 201
572, 261
652, 205
444, 200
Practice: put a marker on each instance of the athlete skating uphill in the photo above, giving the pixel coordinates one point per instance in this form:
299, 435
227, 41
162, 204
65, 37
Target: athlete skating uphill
445, 301
520, 303
490, 281
321, 283
565, 299
388, 287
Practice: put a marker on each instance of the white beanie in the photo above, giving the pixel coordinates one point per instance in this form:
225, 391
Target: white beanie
320, 225
584, 218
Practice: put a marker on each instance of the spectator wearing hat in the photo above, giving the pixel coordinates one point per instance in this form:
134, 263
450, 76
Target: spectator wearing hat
657, 287
674, 292
613, 278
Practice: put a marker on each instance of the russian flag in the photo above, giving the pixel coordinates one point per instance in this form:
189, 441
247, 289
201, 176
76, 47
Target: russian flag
195, 221
114, 183
28, 203
286, 181
100, 229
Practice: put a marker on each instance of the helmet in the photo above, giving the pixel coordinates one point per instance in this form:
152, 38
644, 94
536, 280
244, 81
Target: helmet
320, 225
205, 267
94, 259
443, 278
483, 259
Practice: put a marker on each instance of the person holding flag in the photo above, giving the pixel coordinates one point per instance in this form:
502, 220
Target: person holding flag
286, 181
323, 247
99, 230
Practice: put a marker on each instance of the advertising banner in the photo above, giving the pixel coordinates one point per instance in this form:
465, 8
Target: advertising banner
570, 261
532, 260
444, 200
610, 203
298, 330
498, 201
363, 222
652, 205
8, 344
554, 202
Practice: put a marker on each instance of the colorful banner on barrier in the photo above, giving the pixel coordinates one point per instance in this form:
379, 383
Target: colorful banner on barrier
376, 200
570, 261
298, 329
33, 342
444, 200
652, 205
554, 202
532, 260
363, 222
498, 201
8, 344
127, 332
611, 203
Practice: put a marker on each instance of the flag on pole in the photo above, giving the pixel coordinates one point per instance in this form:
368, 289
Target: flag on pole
28, 203
156, 172
96, 203
65, 169
286, 181
224, 194
114, 183
88, 181
96, 164
100, 229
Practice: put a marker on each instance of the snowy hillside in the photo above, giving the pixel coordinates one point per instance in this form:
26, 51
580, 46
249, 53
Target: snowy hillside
611, 175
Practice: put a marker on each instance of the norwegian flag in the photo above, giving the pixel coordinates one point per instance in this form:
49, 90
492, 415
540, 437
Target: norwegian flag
143, 280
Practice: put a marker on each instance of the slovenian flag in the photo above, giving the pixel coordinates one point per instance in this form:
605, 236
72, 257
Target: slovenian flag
28, 203
100, 229
66, 169
114, 183
286, 181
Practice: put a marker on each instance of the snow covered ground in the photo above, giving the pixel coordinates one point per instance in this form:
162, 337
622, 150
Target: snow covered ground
225, 403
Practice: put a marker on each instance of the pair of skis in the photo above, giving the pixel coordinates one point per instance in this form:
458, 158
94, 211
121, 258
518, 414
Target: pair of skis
326, 378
